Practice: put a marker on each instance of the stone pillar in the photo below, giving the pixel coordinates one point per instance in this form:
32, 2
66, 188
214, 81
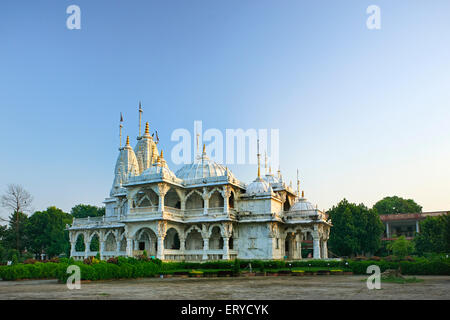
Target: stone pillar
316, 246
162, 190
161, 202
136, 245
205, 248
206, 195
183, 204
325, 250
226, 249
182, 244
102, 248
298, 239
72, 248
226, 192
160, 252
388, 231
87, 249
129, 247
118, 248
417, 226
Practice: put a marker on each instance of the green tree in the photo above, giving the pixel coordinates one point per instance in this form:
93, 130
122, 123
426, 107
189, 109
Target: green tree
47, 232
401, 247
434, 235
16, 233
86, 210
356, 229
395, 205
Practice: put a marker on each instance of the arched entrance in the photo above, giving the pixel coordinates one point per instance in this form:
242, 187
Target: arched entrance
172, 240
146, 240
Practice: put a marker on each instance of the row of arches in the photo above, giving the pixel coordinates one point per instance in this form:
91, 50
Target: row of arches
194, 200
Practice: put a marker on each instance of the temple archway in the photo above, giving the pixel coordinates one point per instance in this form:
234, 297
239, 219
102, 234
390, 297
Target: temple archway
216, 200
95, 243
215, 240
172, 199
79, 243
110, 243
194, 240
194, 201
146, 240
172, 240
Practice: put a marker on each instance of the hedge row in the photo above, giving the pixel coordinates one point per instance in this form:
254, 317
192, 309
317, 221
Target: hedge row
136, 268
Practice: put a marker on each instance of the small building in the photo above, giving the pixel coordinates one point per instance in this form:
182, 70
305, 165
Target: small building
405, 224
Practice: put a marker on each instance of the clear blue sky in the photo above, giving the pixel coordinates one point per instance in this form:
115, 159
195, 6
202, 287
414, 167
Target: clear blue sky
362, 113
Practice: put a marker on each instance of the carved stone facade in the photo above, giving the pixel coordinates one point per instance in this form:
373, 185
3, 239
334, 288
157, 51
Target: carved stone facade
200, 213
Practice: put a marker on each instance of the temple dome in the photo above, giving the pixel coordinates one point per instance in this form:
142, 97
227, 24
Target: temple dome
202, 167
302, 204
258, 186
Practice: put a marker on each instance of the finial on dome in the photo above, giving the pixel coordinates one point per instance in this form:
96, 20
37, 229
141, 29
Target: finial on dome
162, 155
258, 155
128, 140
147, 130
303, 193
204, 148
298, 185
140, 117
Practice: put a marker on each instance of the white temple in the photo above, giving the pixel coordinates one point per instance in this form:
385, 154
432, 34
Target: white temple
201, 212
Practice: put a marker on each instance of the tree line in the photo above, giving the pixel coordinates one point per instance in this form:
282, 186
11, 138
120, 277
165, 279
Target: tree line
29, 235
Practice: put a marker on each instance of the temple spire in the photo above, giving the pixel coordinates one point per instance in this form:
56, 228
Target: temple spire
128, 141
147, 130
140, 117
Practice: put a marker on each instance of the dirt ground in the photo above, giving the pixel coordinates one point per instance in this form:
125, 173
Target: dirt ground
272, 288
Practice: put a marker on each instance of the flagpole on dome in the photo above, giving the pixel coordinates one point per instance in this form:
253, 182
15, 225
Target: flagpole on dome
120, 131
140, 117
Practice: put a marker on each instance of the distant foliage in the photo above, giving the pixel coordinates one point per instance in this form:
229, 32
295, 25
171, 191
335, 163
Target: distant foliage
434, 236
395, 205
86, 210
356, 229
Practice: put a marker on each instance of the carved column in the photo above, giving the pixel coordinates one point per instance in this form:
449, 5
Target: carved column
206, 195
162, 231
299, 246
325, 249
118, 247
226, 192
162, 190
316, 243
87, 249
205, 236
72, 248
226, 234
129, 247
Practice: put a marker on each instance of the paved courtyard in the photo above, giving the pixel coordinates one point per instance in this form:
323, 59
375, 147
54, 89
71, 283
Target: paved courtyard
308, 287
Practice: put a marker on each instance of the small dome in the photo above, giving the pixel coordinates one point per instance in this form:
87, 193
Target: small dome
270, 178
159, 168
203, 167
302, 205
258, 186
